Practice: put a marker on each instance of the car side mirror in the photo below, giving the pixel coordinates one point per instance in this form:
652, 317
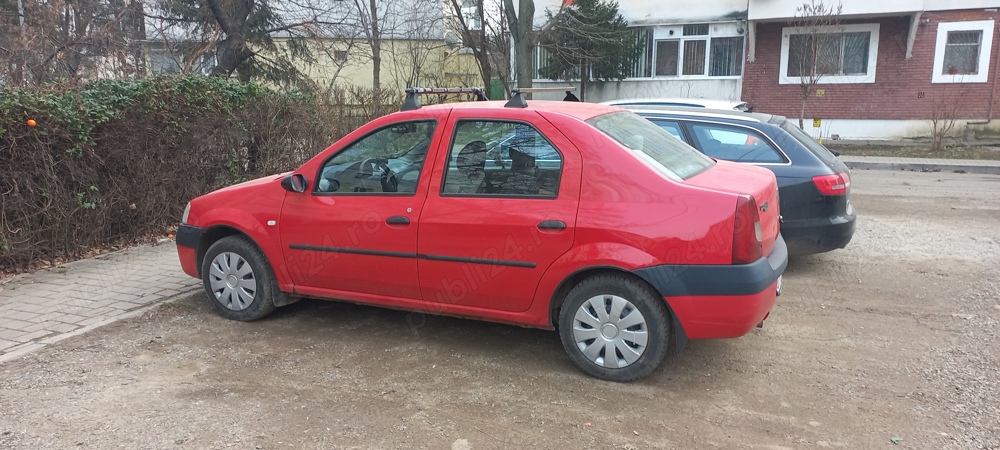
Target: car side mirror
295, 182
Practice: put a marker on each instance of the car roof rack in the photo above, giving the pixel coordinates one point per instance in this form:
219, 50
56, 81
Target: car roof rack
411, 103
517, 101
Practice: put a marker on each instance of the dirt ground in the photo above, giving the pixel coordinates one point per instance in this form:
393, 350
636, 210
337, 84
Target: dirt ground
891, 343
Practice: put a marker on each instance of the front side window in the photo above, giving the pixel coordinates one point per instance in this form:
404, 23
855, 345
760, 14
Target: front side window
962, 52
652, 144
829, 54
505, 159
387, 161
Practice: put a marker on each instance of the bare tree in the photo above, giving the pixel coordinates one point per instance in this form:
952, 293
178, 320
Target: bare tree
69, 40
816, 48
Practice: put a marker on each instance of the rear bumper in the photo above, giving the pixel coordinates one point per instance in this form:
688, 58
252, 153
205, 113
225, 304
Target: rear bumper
720, 301
188, 238
805, 237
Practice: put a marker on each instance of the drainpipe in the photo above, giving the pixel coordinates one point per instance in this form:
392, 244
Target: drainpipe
993, 92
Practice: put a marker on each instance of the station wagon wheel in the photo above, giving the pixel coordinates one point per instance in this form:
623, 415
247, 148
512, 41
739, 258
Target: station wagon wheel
238, 280
614, 327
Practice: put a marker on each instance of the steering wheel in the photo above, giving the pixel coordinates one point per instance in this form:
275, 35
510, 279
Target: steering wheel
388, 179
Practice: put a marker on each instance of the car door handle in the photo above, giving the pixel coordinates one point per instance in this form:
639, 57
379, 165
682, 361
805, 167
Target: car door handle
398, 220
551, 225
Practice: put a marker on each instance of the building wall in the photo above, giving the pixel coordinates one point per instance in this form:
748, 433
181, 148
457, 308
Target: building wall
717, 89
405, 63
902, 90
783, 9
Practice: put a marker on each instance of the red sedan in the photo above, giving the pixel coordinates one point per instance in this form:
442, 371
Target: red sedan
560, 215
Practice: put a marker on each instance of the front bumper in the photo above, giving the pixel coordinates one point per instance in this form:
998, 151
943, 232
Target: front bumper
188, 238
720, 301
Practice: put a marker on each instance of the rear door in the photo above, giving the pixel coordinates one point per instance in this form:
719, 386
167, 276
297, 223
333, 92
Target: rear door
493, 222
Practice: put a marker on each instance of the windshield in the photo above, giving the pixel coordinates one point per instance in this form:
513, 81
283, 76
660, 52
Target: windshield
652, 144
818, 149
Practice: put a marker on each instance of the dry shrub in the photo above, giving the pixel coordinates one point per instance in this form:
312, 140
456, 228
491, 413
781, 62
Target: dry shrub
116, 160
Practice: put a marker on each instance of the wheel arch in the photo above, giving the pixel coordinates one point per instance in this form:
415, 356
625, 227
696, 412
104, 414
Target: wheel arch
567, 284
212, 235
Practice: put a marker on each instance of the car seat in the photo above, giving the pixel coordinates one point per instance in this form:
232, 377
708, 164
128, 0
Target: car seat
471, 164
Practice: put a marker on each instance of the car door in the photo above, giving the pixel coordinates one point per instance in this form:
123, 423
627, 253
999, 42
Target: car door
501, 209
356, 231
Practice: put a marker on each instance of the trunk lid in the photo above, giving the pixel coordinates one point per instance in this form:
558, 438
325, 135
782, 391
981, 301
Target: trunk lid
738, 179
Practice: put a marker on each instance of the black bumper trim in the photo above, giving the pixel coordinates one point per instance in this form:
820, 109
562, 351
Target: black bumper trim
189, 236
748, 279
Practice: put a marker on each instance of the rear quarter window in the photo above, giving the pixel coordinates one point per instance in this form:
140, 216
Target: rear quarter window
653, 144
808, 142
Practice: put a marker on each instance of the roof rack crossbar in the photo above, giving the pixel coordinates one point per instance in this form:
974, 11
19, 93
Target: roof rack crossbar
412, 102
517, 100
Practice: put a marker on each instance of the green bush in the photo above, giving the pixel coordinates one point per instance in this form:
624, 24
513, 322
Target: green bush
115, 160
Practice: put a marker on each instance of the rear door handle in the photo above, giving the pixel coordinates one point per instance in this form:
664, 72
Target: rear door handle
398, 220
552, 225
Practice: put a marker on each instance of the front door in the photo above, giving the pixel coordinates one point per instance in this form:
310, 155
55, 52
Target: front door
356, 232
499, 212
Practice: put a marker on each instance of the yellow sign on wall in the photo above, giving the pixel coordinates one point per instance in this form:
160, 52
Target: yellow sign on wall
817, 122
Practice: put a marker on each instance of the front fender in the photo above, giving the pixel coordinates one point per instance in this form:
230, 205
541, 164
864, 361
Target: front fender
267, 238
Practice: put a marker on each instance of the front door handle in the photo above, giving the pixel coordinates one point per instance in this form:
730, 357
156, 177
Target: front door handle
398, 220
552, 225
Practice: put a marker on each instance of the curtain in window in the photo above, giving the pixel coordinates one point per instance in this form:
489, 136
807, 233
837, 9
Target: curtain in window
726, 58
694, 58
856, 53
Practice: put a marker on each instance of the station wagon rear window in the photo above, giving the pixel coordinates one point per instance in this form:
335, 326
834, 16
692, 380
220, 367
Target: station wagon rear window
660, 149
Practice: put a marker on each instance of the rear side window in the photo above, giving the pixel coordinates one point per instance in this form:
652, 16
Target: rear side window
503, 159
653, 144
735, 144
818, 149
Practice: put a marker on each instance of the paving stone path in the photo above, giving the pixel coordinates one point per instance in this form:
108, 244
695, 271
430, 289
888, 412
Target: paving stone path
43, 307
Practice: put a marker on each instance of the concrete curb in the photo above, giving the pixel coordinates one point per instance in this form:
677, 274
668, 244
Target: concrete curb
924, 167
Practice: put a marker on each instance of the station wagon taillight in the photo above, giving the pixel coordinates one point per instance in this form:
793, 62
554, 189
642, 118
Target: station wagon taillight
748, 238
836, 184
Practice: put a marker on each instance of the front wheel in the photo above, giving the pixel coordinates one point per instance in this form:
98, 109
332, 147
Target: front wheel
614, 327
238, 279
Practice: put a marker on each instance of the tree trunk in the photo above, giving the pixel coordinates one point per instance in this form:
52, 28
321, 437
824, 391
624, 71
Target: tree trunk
376, 44
520, 24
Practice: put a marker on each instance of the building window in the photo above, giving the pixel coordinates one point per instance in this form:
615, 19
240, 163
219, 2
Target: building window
340, 56
829, 54
962, 52
698, 50
726, 57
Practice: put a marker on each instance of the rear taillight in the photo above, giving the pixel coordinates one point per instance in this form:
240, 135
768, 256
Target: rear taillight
836, 184
748, 239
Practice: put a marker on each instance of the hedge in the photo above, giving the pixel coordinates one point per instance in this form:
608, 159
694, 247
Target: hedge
115, 161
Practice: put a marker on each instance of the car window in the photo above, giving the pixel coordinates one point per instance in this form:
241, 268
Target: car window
496, 158
667, 154
818, 149
670, 127
386, 161
735, 144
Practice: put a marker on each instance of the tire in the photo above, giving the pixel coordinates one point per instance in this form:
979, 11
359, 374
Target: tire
599, 317
238, 279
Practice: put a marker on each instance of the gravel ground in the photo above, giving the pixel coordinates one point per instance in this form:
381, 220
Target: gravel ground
890, 343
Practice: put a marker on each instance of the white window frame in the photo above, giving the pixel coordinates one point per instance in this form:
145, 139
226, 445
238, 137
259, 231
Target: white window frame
985, 49
707, 64
872, 28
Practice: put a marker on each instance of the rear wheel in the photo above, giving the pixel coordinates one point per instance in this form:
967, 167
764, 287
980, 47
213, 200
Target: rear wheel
614, 327
238, 279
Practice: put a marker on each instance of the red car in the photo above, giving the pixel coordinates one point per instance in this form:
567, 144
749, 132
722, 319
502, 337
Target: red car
572, 216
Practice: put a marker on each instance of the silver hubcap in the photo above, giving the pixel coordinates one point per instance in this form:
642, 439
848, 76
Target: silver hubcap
232, 281
610, 331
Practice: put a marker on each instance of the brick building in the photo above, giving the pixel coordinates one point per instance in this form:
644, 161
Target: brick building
878, 70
